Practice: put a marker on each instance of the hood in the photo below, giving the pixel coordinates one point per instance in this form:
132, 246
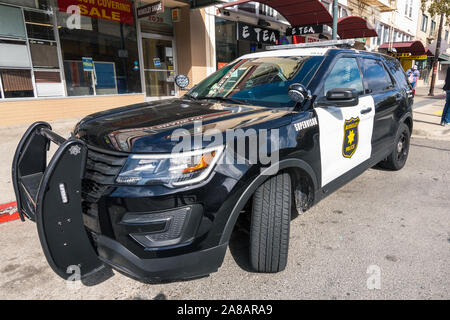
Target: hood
149, 127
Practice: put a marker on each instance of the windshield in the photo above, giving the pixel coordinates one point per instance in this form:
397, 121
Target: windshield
260, 81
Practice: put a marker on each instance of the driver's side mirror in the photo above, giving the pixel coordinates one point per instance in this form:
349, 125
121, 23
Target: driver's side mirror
339, 97
298, 93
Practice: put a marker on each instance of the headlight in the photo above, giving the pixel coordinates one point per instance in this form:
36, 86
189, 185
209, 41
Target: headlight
172, 170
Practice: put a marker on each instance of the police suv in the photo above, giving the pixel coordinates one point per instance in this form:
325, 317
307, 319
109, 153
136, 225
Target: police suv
155, 189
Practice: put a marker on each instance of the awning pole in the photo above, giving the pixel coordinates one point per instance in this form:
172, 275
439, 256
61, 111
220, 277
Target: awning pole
335, 14
335, 18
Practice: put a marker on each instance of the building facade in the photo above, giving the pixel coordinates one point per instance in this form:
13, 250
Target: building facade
427, 32
69, 58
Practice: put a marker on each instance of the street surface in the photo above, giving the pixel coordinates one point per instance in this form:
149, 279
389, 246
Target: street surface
395, 222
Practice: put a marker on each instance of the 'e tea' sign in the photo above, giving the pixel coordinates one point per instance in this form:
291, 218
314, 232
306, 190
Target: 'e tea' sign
150, 9
257, 34
112, 10
304, 30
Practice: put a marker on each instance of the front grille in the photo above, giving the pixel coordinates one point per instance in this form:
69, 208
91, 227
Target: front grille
100, 172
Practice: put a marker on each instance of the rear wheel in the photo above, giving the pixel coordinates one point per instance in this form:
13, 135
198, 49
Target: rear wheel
269, 226
397, 159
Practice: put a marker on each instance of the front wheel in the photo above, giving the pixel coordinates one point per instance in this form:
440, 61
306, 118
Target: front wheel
397, 158
269, 226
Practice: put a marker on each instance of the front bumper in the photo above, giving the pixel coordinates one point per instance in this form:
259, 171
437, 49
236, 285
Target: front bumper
80, 227
180, 267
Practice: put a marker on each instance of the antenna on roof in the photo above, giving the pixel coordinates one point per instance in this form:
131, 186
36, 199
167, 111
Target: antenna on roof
348, 43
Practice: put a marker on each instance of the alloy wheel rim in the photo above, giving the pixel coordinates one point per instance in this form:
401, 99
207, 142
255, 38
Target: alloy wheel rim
402, 147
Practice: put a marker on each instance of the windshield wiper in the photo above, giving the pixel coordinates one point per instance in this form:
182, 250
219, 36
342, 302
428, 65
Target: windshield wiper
219, 98
190, 97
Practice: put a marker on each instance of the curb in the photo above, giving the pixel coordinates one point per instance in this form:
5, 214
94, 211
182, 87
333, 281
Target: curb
8, 212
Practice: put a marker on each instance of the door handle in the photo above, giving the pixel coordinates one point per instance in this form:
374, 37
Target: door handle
364, 111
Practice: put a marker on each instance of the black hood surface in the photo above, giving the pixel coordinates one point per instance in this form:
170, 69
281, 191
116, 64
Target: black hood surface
148, 127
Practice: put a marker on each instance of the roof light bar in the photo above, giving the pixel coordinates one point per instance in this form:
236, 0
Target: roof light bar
329, 43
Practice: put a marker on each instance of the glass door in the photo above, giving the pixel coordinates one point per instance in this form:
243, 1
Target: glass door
159, 66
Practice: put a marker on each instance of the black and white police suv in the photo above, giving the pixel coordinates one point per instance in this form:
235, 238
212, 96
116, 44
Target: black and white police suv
117, 193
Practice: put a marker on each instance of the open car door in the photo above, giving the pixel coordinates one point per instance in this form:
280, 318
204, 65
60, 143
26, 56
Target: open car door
51, 196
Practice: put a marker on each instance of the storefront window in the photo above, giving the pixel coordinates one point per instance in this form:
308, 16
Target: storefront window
11, 22
110, 45
16, 83
160, 23
38, 4
15, 65
44, 54
39, 25
226, 43
158, 67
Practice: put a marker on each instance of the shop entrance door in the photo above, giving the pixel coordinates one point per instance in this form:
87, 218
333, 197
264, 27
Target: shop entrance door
159, 66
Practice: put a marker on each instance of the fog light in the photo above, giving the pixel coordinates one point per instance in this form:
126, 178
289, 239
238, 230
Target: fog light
128, 180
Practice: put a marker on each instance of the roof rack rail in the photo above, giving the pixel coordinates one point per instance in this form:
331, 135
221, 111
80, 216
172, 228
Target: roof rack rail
348, 43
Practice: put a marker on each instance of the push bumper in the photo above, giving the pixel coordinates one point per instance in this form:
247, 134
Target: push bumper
51, 195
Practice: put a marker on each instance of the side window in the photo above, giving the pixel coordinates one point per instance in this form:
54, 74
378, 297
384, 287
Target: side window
345, 74
375, 76
397, 70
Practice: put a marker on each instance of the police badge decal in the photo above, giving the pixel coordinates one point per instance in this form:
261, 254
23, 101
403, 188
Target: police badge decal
350, 142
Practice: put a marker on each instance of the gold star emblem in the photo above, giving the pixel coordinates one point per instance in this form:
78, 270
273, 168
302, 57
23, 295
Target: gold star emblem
351, 137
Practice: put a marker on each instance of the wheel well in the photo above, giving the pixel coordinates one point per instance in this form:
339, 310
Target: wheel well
302, 188
302, 195
408, 121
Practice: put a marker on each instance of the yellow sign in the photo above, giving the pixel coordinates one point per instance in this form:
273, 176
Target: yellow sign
401, 55
418, 57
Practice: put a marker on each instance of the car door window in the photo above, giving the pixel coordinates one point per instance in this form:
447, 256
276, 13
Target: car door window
345, 74
375, 76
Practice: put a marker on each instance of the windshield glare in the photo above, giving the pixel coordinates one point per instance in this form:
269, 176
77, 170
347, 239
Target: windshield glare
260, 81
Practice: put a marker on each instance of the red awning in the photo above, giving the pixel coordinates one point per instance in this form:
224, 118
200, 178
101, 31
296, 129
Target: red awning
412, 47
355, 27
297, 12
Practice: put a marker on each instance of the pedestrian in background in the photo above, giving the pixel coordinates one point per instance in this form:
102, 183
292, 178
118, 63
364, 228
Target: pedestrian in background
445, 120
413, 74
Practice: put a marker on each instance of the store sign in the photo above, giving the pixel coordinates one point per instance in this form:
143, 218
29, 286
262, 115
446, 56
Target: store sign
88, 64
176, 15
112, 10
150, 9
257, 34
300, 31
284, 40
418, 57
157, 62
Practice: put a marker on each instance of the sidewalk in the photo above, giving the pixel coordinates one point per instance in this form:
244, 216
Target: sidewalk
427, 113
10, 138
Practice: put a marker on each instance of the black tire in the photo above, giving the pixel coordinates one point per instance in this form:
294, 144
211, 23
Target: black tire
397, 159
269, 225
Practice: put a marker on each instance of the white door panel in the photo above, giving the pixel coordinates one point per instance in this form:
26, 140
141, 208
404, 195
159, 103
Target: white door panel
331, 129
